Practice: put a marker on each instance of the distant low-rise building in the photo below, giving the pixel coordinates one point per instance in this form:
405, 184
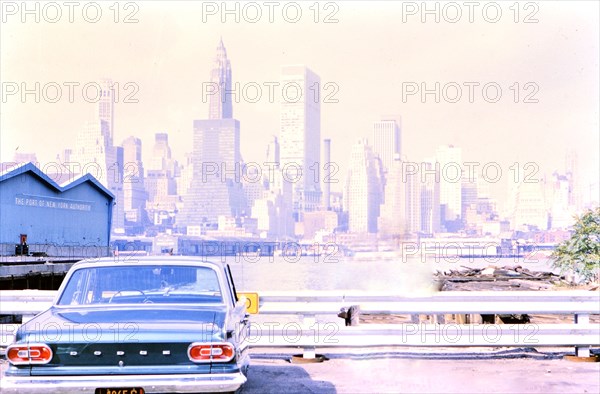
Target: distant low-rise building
324, 222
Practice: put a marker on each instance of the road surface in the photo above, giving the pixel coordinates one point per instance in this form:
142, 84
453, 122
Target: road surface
503, 371
422, 371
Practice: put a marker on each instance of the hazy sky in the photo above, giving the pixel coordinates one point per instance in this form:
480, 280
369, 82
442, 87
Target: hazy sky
369, 54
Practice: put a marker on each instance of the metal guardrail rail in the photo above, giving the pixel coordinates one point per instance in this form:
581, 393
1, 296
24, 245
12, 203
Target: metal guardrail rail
310, 334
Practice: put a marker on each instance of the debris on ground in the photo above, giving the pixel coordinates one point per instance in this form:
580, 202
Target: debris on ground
498, 278
492, 278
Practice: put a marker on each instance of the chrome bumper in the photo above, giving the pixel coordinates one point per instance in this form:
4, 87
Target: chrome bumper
184, 383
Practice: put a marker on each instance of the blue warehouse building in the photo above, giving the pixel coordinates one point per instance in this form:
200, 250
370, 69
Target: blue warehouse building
58, 220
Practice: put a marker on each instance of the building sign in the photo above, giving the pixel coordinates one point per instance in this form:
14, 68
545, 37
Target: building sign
52, 202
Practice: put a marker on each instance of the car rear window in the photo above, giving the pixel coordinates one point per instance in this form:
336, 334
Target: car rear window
142, 284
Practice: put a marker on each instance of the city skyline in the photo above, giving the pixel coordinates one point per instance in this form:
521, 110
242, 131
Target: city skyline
170, 86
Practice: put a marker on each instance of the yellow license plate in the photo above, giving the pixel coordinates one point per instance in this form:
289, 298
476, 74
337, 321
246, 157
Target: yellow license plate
120, 390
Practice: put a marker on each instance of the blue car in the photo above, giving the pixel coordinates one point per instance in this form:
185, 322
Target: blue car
143, 325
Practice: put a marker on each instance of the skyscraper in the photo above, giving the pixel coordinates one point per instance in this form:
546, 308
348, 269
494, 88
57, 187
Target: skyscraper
220, 106
106, 107
430, 198
134, 193
327, 175
412, 200
413, 204
161, 154
575, 191
273, 209
216, 187
363, 189
392, 219
561, 212
161, 174
300, 136
386, 140
273, 155
528, 205
449, 160
162, 182
95, 153
469, 194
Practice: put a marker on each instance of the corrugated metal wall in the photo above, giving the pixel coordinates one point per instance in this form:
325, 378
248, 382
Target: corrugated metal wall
77, 216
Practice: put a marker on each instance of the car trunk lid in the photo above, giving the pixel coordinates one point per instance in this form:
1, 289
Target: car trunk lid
147, 339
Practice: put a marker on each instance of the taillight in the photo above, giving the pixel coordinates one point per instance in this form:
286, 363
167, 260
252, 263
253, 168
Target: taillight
207, 352
36, 353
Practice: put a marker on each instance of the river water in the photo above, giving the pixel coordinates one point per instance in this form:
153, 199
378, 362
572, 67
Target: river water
397, 275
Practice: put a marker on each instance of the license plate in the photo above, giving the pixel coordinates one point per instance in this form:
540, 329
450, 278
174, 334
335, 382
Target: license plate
120, 390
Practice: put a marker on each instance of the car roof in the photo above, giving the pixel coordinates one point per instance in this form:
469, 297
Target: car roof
147, 260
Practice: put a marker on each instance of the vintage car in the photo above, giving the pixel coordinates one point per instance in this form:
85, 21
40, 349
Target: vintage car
135, 325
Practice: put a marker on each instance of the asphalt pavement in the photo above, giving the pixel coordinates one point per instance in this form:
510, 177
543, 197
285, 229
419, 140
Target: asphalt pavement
499, 371
421, 371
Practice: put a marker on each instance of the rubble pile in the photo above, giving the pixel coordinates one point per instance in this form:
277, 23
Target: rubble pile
497, 278
490, 278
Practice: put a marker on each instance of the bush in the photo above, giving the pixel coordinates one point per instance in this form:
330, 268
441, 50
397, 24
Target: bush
580, 254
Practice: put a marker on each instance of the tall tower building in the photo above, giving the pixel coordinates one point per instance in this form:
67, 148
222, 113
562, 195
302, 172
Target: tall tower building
216, 184
449, 160
220, 106
430, 198
273, 151
327, 175
273, 208
561, 211
572, 173
134, 193
216, 147
392, 219
160, 179
300, 136
363, 189
413, 204
161, 154
215, 188
96, 154
273, 159
469, 194
412, 201
386, 140
528, 205
106, 107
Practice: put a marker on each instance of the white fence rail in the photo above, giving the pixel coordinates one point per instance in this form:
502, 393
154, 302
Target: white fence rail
482, 302
311, 335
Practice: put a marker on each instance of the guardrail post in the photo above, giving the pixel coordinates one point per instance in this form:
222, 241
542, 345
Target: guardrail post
308, 323
582, 351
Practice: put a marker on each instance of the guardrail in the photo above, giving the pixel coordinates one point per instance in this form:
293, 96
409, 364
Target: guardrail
26, 303
310, 334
